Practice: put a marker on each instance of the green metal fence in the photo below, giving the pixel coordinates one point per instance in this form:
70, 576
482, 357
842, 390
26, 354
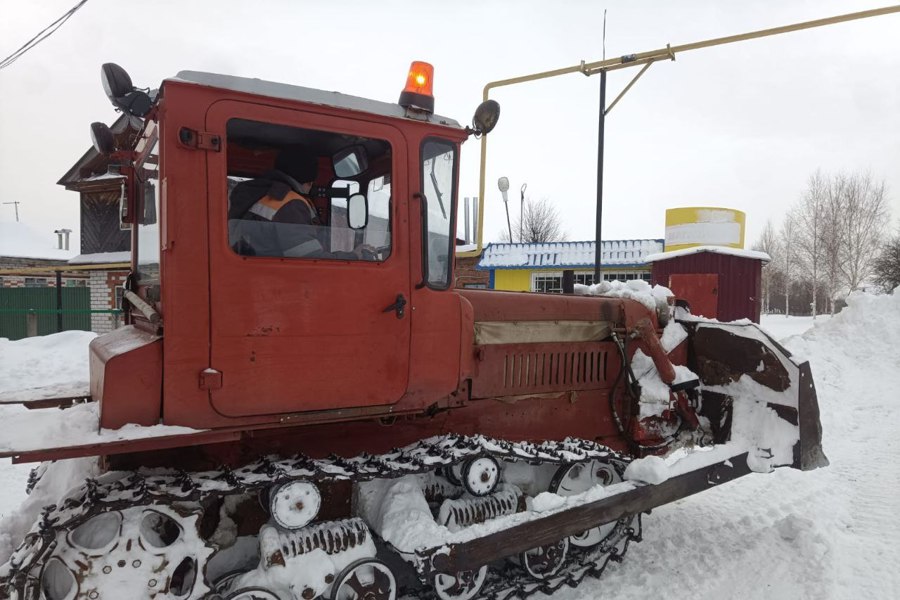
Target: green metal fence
16, 304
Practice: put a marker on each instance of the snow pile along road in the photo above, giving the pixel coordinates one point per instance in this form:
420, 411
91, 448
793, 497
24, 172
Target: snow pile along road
48, 366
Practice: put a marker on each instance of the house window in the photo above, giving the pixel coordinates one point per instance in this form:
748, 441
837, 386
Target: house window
120, 293
547, 283
34, 282
76, 283
584, 278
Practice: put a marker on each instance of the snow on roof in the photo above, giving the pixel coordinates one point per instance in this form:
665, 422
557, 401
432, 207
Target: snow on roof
714, 249
302, 94
20, 240
101, 258
566, 255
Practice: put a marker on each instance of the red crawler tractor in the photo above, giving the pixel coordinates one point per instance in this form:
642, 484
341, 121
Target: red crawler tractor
352, 426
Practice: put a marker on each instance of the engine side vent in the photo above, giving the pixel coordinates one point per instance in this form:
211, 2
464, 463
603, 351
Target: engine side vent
516, 369
540, 369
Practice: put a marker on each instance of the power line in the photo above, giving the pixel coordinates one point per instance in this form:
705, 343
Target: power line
41, 36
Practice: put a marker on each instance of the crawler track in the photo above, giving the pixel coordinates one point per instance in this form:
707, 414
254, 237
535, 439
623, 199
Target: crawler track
183, 496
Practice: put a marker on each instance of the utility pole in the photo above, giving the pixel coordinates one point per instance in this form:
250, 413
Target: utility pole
601, 137
16, 203
522, 213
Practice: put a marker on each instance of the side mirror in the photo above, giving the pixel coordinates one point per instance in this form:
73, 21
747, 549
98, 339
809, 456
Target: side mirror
357, 211
486, 116
350, 161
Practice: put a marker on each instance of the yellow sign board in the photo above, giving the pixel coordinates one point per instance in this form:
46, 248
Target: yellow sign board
704, 226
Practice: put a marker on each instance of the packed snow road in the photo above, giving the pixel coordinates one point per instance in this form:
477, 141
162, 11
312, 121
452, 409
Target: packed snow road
830, 534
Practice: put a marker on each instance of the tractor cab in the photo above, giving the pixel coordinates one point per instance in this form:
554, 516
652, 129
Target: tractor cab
306, 239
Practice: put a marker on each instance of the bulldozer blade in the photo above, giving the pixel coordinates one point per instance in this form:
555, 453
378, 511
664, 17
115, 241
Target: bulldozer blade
755, 391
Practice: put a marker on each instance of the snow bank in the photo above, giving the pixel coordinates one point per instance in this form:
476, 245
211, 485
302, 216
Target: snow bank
867, 330
44, 366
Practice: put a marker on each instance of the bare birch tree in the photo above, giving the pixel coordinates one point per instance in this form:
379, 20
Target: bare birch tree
830, 242
768, 243
862, 227
811, 225
539, 222
788, 259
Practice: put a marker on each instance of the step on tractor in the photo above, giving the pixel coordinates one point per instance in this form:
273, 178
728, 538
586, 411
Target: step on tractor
303, 405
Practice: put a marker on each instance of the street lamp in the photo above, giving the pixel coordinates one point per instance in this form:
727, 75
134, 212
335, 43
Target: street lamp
503, 184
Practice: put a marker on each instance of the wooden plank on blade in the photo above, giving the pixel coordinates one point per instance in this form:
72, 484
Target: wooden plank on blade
547, 530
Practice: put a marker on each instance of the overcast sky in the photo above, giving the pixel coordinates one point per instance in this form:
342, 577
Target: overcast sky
740, 126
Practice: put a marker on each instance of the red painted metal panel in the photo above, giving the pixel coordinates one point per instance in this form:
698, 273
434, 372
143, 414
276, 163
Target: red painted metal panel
700, 290
294, 335
126, 377
739, 281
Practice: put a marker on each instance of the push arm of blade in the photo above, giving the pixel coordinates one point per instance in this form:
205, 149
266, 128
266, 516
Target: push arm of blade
148, 311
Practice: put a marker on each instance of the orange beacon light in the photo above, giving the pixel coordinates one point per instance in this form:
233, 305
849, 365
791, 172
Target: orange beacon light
418, 92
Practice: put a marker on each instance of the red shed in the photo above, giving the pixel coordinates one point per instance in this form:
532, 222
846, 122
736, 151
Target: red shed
718, 282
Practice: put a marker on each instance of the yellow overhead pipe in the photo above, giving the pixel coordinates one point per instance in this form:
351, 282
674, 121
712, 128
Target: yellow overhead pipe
646, 59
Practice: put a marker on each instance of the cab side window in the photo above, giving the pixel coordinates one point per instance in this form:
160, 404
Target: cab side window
289, 190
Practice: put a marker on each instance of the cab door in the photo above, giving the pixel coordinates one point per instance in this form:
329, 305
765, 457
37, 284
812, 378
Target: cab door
292, 335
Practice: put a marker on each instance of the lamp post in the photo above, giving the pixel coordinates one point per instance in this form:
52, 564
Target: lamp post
503, 185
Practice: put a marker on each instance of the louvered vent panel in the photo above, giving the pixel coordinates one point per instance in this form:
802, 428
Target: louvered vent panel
553, 369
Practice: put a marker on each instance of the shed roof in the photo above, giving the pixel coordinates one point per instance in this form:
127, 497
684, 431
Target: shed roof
739, 252
568, 255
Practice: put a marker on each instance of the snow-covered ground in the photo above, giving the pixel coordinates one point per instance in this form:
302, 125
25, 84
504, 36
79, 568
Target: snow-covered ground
827, 535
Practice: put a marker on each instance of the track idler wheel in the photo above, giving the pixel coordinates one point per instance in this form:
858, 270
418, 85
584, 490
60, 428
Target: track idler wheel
481, 475
366, 579
294, 504
464, 585
545, 561
576, 478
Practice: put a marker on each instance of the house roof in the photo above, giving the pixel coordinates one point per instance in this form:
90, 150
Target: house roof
20, 240
90, 171
568, 255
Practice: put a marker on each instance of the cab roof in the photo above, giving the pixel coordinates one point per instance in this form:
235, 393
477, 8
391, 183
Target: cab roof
285, 91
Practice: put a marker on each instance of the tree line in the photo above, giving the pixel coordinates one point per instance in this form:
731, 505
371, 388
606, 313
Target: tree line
832, 240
